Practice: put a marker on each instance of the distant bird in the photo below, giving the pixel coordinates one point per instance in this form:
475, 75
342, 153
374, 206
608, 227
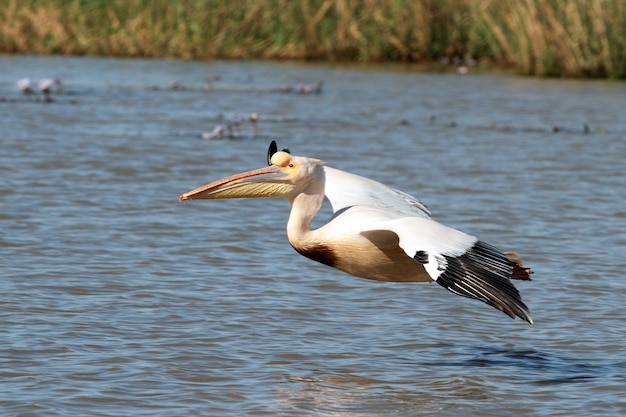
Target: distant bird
307, 89
24, 86
236, 122
376, 232
253, 119
45, 87
58, 83
218, 132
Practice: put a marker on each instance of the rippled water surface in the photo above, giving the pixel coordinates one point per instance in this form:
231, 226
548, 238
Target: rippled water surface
116, 299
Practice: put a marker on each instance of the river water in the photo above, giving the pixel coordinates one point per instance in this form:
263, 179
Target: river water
116, 299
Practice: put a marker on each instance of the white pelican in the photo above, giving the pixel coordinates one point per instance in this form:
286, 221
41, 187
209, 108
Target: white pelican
24, 86
45, 86
376, 232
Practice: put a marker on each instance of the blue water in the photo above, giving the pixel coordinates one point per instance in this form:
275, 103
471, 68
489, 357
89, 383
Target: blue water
116, 299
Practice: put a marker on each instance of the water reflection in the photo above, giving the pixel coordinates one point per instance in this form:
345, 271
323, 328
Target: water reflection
352, 394
434, 383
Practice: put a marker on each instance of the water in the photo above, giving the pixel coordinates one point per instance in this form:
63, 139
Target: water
116, 299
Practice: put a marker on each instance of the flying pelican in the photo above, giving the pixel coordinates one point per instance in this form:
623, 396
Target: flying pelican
376, 232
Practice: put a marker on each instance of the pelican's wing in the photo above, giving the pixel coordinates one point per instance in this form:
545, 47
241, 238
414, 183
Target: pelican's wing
346, 190
456, 261
459, 262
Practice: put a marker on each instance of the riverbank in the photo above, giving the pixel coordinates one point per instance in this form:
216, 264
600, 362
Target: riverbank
579, 38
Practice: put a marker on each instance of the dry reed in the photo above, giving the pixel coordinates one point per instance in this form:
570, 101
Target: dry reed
541, 37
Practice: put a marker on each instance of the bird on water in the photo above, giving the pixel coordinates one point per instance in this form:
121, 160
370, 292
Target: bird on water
376, 232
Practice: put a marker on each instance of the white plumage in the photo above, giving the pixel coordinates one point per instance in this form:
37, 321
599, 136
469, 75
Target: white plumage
376, 232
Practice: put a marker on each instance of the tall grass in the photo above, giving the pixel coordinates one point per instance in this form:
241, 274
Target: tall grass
542, 37
554, 37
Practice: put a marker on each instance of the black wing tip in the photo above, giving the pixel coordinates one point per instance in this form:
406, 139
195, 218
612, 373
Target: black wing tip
483, 273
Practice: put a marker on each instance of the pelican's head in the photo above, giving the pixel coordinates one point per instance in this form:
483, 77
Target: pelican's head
286, 176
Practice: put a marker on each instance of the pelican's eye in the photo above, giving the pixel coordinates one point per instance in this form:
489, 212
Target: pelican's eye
289, 166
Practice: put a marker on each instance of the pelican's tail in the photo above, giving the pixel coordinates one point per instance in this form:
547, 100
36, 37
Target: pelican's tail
520, 271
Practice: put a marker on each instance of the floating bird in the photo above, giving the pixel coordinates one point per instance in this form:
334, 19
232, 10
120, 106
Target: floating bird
45, 87
24, 86
376, 232
58, 83
218, 132
254, 118
307, 89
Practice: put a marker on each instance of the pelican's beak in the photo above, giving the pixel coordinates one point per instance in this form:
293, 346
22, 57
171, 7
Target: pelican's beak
269, 181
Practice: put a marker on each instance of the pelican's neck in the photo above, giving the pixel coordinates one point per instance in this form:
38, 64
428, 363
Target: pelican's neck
304, 206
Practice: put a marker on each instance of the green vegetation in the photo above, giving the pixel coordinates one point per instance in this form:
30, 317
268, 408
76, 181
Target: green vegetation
579, 38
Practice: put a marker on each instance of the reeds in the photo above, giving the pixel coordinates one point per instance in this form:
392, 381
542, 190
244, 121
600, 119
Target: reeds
540, 37
555, 37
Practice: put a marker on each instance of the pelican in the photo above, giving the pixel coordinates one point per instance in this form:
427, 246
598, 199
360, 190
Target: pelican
376, 232
45, 86
24, 86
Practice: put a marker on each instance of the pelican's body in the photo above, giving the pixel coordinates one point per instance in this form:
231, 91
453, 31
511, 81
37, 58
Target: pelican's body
376, 232
344, 242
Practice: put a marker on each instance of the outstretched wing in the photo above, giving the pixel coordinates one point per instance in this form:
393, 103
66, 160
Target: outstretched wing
461, 263
456, 261
346, 190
